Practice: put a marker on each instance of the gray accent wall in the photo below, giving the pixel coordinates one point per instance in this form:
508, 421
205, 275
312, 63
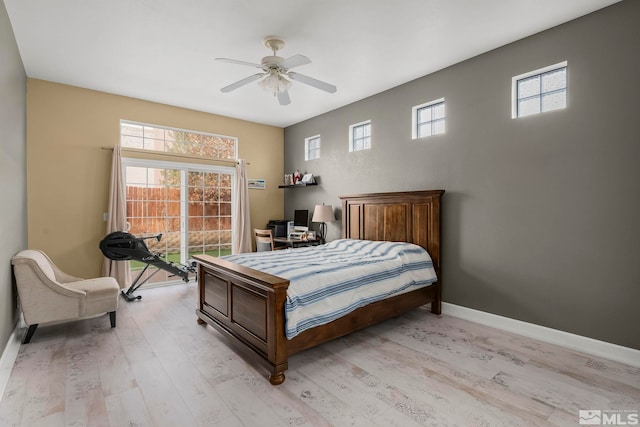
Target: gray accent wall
13, 175
542, 213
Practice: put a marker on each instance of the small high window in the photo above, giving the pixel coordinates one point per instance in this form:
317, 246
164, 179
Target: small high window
360, 136
428, 119
539, 91
312, 147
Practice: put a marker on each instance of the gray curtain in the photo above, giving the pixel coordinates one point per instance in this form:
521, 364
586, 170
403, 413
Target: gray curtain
117, 220
241, 221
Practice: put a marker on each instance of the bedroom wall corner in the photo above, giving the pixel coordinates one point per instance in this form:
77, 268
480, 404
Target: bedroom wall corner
13, 181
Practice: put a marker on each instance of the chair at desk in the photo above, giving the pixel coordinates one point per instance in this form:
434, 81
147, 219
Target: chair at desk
264, 241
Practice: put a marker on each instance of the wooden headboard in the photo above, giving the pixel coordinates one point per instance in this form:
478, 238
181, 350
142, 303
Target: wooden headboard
412, 216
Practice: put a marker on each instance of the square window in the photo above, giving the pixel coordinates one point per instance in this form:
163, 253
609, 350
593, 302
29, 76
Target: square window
539, 91
428, 119
360, 136
312, 147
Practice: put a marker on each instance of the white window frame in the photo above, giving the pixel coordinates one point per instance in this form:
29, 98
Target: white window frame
307, 143
352, 128
169, 128
414, 118
540, 71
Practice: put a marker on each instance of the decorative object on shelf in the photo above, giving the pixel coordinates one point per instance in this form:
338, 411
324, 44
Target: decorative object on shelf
296, 177
256, 184
323, 214
305, 180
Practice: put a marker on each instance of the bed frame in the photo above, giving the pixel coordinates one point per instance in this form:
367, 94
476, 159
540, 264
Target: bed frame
247, 306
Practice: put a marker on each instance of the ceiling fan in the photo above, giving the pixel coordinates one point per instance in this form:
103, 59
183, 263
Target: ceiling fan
275, 69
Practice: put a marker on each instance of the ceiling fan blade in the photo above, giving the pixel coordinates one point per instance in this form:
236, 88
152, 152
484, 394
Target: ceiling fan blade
312, 82
242, 82
295, 61
283, 98
235, 61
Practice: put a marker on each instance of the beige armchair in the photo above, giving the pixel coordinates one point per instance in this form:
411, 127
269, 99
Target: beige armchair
47, 294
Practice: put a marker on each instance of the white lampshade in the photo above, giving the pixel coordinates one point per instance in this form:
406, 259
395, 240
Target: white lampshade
323, 213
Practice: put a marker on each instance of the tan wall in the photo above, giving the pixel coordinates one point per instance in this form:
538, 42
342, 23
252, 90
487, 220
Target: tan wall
68, 171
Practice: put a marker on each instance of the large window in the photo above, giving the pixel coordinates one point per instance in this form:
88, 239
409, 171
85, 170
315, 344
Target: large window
428, 119
360, 136
539, 91
189, 204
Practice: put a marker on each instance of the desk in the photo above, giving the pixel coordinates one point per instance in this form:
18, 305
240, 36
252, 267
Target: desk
295, 243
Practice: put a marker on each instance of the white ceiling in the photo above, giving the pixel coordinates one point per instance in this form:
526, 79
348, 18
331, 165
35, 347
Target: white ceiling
164, 50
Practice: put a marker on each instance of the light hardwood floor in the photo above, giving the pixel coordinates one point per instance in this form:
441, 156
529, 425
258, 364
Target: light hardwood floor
159, 368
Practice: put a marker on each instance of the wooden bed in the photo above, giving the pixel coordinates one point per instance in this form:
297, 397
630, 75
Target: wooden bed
247, 305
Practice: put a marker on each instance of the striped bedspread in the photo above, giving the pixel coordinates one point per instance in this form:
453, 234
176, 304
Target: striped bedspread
331, 280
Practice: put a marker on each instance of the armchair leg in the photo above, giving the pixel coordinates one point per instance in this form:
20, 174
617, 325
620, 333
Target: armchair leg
30, 332
112, 317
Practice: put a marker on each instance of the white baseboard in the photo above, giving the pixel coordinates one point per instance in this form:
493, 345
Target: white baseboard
618, 353
8, 358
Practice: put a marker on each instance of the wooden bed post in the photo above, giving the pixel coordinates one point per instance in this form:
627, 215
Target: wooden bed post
277, 342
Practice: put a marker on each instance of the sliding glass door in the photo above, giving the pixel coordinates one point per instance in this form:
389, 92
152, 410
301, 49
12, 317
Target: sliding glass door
190, 205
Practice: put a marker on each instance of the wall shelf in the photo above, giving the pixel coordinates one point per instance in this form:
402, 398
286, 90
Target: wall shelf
298, 185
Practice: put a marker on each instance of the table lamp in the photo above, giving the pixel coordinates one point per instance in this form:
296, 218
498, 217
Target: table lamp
323, 214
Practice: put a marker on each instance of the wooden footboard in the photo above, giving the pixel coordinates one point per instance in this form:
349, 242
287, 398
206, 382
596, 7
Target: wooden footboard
247, 306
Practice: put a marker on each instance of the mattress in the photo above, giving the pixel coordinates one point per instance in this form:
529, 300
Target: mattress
331, 280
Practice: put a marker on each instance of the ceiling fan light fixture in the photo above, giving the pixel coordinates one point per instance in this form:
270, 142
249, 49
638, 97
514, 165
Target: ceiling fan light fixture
275, 83
275, 71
